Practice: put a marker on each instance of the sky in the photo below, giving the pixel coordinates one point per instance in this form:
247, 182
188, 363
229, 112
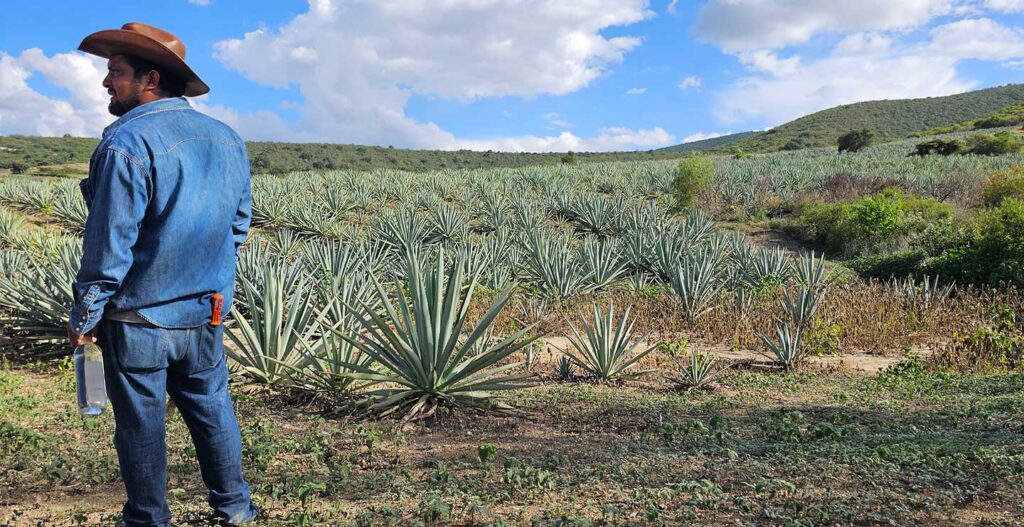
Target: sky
514, 75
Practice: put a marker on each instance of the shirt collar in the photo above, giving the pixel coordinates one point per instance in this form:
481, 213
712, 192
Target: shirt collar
170, 103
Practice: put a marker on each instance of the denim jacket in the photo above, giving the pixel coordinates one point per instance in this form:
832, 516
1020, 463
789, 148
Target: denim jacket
169, 203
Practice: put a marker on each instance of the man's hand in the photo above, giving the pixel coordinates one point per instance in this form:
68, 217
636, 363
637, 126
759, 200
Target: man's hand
77, 340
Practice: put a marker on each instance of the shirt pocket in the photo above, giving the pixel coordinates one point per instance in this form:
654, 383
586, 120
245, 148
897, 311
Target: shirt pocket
141, 347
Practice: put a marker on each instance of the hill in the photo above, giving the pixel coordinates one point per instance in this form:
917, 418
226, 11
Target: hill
53, 155
1012, 115
888, 120
709, 144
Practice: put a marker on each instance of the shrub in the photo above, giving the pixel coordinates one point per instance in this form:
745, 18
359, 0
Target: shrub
882, 222
17, 167
885, 266
693, 177
993, 254
993, 144
1001, 242
938, 146
1002, 185
569, 158
855, 140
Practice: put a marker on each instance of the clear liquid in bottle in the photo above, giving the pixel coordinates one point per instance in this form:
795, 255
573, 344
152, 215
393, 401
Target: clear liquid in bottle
92, 391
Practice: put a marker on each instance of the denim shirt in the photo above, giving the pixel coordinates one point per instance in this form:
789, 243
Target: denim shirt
169, 204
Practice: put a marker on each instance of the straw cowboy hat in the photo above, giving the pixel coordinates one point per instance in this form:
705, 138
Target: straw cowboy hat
148, 43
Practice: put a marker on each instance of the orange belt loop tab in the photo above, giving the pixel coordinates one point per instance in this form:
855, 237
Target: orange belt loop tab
218, 303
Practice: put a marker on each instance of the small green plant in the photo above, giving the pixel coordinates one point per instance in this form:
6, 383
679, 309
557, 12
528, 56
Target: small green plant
487, 453
784, 425
521, 478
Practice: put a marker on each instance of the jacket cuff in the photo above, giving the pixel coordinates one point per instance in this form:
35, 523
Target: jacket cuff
84, 316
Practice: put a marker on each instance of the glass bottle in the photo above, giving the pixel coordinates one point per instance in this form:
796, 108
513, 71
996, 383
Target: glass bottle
92, 391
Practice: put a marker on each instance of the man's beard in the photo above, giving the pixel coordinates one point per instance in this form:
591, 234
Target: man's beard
118, 108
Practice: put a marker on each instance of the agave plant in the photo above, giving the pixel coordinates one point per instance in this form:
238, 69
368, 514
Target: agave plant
12, 228
810, 271
698, 371
330, 360
419, 344
696, 283
37, 299
448, 225
598, 215
403, 229
602, 263
786, 349
276, 320
608, 351
69, 208
553, 267
312, 220
922, 296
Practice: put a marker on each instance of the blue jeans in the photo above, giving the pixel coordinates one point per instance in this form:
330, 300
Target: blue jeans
144, 363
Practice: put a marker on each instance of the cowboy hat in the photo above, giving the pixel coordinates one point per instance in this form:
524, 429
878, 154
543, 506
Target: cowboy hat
148, 43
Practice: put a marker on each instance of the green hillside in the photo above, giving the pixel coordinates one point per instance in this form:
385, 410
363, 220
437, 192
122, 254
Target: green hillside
1012, 115
895, 119
33, 155
709, 144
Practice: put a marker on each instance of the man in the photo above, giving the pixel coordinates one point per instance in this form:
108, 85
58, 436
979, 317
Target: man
169, 204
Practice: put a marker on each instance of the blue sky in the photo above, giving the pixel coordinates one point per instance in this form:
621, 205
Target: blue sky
516, 74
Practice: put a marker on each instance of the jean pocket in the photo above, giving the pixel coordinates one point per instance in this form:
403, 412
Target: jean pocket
210, 351
139, 347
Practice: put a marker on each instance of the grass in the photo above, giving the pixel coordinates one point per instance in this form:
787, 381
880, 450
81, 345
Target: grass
902, 447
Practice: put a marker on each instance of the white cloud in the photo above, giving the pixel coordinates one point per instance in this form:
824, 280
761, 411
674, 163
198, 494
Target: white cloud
608, 140
689, 82
1005, 6
769, 62
837, 80
636, 91
199, 2
746, 25
357, 63
555, 120
700, 136
865, 66
977, 38
26, 111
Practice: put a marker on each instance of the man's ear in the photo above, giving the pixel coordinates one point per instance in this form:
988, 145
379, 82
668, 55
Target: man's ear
151, 81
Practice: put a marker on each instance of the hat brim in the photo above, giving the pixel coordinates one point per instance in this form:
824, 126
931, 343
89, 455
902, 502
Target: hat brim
110, 42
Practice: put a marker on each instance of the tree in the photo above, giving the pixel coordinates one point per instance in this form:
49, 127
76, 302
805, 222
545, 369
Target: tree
855, 140
569, 158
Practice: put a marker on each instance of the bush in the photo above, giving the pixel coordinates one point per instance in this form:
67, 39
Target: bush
569, 158
938, 146
995, 252
1002, 185
993, 144
17, 167
1001, 242
887, 266
855, 140
692, 178
882, 222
